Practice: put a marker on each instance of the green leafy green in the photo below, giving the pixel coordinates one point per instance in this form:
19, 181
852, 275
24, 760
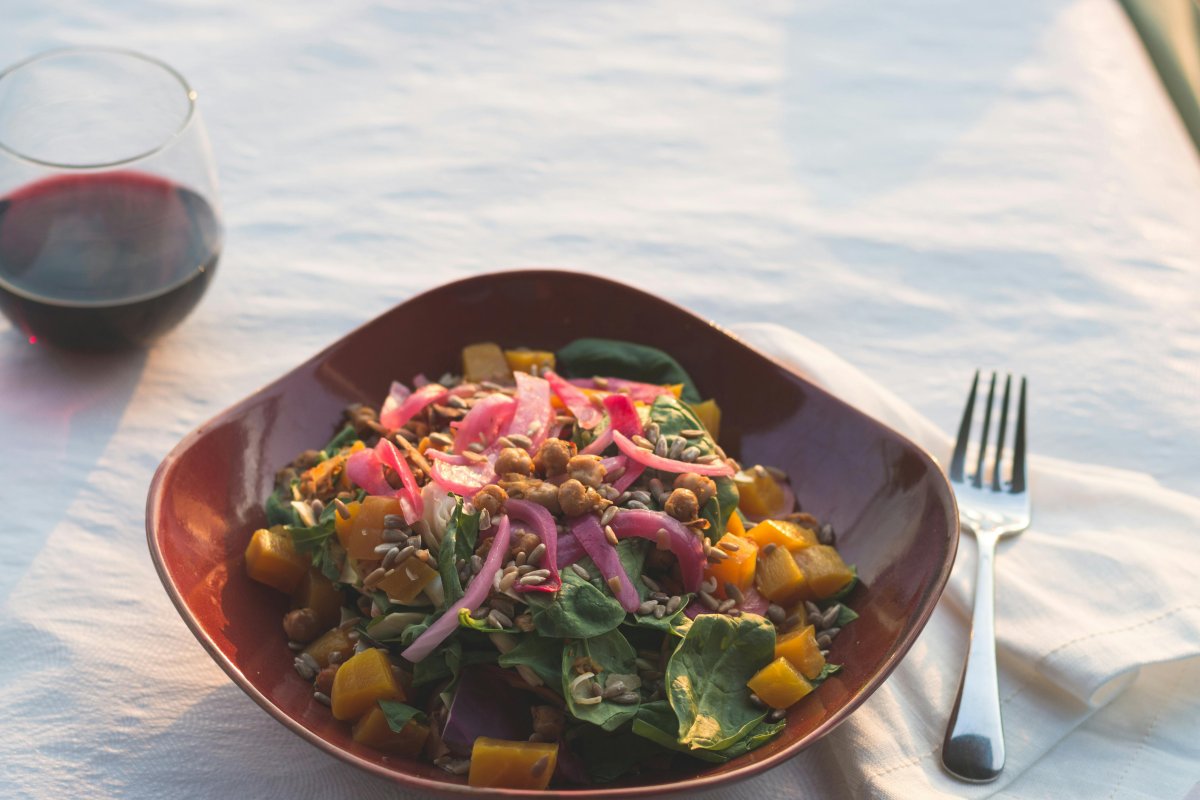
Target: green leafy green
279, 507
541, 654
707, 676
578, 611
319, 543
843, 593
400, 714
826, 671
675, 624
672, 417
447, 661
459, 542
658, 723
344, 437
613, 655
465, 620
586, 358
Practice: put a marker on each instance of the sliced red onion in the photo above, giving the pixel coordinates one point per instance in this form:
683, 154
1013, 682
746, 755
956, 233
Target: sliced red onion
389, 455
477, 592
633, 471
623, 415
686, 545
588, 533
412, 405
534, 414
575, 400
396, 397
541, 522
645, 392
653, 461
462, 479
753, 602
484, 421
569, 550
365, 470
599, 444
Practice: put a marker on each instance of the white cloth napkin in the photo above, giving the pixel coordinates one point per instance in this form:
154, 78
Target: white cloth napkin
1104, 583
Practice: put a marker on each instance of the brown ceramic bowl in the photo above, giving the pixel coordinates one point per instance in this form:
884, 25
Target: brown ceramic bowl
892, 507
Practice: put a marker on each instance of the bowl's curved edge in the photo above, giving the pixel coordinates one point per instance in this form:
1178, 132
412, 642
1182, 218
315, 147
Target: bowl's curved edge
154, 501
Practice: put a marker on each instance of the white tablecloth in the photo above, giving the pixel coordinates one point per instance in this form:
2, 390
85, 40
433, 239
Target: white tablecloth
922, 187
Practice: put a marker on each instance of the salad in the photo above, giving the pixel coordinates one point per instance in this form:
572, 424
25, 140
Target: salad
545, 568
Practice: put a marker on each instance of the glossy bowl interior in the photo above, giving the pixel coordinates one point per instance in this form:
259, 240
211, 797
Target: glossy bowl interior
889, 502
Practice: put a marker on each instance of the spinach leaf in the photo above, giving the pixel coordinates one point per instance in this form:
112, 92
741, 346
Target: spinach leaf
400, 714
614, 656
345, 436
672, 417
447, 661
585, 358
578, 611
541, 654
279, 507
319, 543
760, 734
707, 676
459, 542
826, 671
675, 624
657, 722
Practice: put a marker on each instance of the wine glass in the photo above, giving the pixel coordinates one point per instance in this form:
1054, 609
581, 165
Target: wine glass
110, 228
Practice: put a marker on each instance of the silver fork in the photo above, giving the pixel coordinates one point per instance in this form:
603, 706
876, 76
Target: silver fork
992, 508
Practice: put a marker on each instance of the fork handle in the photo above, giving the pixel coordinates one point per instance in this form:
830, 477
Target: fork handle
974, 745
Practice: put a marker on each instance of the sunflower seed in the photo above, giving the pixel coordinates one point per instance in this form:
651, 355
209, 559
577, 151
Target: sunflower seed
476, 564
756, 701
519, 440
393, 521
611, 535
472, 453
776, 614
627, 699
673, 604
623, 497
642, 442
652, 431
831, 614
651, 584
454, 401
811, 607
614, 584
647, 607
507, 580
659, 596
825, 535
545, 573
660, 612
394, 535
635, 505
296, 647
710, 602
498, 619
581, 572
342, 509
716, 555
732, 591
525, 569
676, 448
441, 439
375, 577
322, 698
456, 766
318, 507
485, 520
383, 549
480, 612
608, 515
726, 605
735, 612
708, 459
824, 641
662, 539
644, 664
641, 496
661, 448
729, 545
777, 714
813, 619
656, 485
689, 454
832, 632
613, 689
390, 557
533, 580
535, 557
769, 548
303, 670
522, 557
709, 585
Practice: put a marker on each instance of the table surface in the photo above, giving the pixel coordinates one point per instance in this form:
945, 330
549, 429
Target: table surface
925, 187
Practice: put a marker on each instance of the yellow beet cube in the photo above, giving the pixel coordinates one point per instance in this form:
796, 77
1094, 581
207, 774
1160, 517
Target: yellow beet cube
824, 569
502, 764
710, 414
759, 494
328, 643
784, 534
362, 682
524, 360
801, 649
779, 684
485, 362
317, 592
271, 559
735, 526
362, 532
778, 576
738, 568
373, 731
407, 580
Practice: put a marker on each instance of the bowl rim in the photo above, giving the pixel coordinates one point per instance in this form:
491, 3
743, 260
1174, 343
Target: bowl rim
155, 499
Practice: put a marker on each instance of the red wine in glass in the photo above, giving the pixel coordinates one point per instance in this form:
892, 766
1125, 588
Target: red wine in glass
104, 260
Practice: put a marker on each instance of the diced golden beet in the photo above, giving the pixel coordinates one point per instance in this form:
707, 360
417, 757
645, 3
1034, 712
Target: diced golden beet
779, 684
271, 559
330, 642
710, 414
373, 731
317, 592
502, 764
787, 535
363, 531
824, 569
485, 362
738, 568
759, 495
801, 649
407, 580
778, 577
677, 390
522, 360
362, 682
735, 526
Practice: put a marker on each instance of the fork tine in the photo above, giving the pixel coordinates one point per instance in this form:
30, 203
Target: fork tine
1000, 434
1018, 470
964, 433
987, 421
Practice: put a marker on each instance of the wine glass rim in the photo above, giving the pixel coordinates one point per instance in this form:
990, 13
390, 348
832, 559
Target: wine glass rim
188, 92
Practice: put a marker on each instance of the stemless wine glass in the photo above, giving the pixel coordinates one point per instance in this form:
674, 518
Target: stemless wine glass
109, 224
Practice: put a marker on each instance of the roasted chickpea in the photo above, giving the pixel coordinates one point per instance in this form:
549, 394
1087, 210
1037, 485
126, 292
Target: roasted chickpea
324, 681
682, 505
513, 461
552, 457
587, 470
301, 625
575, 499
545, 495
702, 486
491, 497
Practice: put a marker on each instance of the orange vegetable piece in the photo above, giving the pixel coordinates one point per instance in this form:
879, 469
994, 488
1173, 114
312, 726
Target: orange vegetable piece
485, 362
406, 582
271, 559
779, 577
362, 682
317, 592
373, 731
502, 764
801, 649
363, 531
328, 643
738, 568
710, 414
824, 569
759, 494
779, 684
783, 533
523, 360
735, 526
